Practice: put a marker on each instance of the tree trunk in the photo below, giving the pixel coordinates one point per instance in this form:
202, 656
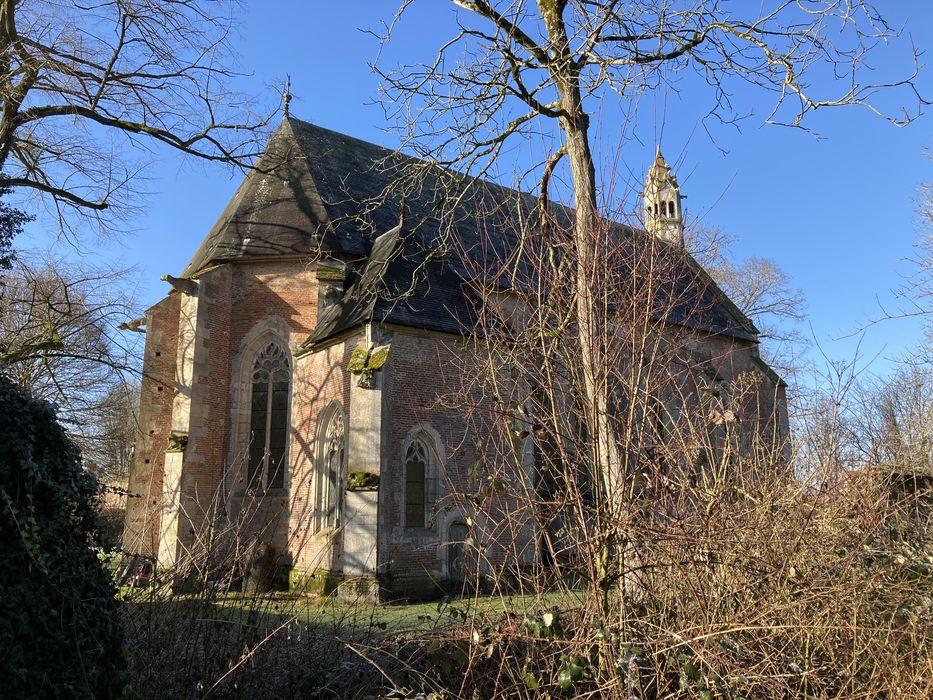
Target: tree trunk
590, 319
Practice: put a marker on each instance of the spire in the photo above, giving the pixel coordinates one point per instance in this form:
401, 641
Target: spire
659, 170
663, 213
287, 94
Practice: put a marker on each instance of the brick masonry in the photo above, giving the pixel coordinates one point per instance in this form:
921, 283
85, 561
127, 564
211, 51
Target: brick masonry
198, 383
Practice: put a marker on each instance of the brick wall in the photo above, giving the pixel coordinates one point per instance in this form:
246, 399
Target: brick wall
236, 302
243, 306
423, 392
435, 381
321, 378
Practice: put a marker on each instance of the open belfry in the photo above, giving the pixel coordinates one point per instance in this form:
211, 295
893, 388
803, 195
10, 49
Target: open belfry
295, 374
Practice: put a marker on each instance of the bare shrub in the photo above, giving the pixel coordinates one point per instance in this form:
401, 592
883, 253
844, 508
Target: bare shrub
699, 565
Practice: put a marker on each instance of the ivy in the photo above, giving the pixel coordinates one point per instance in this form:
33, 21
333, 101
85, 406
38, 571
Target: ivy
58, 626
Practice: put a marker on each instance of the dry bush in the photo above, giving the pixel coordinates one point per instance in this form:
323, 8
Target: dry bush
777, 593
691, 562
197, 646
212, 626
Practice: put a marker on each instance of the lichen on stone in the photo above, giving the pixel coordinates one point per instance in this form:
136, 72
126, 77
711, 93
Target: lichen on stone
363, 361
358, 360
378, 357
362, 481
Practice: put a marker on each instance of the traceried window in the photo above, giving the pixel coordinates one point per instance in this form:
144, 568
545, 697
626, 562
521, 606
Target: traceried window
416, 482
332, 471
268, 419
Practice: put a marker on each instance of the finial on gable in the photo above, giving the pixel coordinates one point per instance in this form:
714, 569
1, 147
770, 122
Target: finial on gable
287, 95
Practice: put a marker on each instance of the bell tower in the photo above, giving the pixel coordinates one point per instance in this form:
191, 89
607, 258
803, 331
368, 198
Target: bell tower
663, 214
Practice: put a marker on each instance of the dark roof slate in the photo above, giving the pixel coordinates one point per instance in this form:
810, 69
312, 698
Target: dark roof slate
316, 191
275, 211
405, 283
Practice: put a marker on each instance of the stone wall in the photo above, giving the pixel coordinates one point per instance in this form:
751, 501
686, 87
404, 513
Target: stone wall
143, 508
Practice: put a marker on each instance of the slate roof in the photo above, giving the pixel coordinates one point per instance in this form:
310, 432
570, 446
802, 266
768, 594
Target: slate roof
405, 283
318, 192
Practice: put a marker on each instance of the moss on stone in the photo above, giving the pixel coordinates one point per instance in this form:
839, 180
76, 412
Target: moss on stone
331, 271
358, 359
318, 582
366, 361
299, 580
378, 358
362, 481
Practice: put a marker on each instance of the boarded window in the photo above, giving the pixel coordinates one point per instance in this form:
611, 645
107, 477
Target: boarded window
268, 419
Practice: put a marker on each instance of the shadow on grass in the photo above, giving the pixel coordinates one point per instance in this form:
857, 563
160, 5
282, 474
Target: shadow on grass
278, 645
236, 647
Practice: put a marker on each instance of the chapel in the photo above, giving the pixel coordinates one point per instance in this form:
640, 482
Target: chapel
294, 375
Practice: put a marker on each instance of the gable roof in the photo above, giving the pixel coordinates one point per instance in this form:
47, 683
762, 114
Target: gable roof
276, 210
317, 192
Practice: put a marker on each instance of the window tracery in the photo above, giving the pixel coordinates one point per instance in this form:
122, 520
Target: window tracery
416, 481
332, 470
268, 423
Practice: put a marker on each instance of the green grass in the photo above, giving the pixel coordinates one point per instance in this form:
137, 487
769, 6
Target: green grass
421, 616
275, 609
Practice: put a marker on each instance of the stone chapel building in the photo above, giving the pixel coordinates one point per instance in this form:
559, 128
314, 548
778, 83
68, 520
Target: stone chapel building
292, 370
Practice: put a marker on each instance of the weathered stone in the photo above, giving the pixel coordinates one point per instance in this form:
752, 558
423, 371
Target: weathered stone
357, 361
261, 570
370, 349
177, 442
362, 481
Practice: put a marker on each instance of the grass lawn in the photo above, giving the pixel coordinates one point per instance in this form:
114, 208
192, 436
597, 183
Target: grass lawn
400, 617
283, 609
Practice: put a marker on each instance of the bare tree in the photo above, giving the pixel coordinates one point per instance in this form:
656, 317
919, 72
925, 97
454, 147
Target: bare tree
762, 290
517, 67
891, 421
59, 339
111, 439
923, 291
88, 89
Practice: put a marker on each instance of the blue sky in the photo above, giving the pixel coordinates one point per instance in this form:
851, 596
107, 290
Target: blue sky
837, 212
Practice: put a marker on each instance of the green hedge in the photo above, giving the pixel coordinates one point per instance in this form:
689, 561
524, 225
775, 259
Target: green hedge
59, 631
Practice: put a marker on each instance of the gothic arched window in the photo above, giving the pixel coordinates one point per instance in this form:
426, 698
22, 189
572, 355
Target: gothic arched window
332, 471
416, 482
268, 419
